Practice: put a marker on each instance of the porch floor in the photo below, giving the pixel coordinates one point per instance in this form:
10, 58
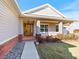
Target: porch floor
28, 38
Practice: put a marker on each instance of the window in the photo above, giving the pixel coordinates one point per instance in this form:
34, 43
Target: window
57, 28
44, 28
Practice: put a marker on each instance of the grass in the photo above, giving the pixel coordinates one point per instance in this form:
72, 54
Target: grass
54, 51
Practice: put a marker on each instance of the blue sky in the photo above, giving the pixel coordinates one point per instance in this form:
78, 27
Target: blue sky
28, 4
69, 8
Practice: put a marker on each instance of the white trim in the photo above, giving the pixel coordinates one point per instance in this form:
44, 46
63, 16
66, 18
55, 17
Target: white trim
61, 27
8, 39
38, 26
27, 11
48, 17
17, 6
43, 6
56, 10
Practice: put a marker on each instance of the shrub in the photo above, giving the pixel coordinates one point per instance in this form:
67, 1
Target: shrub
56, 38
51, 39
72, 36
40, 38
59, 36
66, 37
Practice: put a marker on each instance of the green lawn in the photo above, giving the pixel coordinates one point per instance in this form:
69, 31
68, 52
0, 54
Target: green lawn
54, 51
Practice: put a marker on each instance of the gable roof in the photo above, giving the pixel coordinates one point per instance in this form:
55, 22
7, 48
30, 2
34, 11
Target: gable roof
42, 13
45, 10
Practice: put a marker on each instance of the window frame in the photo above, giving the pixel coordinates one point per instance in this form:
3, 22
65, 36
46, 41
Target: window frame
44, 27
57, 28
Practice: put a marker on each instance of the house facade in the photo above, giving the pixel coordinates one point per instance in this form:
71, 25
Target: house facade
44, 20
14, 25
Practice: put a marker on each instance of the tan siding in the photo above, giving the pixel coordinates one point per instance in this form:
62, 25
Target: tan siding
12, 6
8, 23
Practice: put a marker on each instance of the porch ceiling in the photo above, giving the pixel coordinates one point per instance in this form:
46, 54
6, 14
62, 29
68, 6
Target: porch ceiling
49, 21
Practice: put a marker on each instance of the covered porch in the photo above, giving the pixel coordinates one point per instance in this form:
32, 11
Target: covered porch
32, 25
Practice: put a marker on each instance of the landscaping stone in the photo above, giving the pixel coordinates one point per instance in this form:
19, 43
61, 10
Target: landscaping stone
16, 51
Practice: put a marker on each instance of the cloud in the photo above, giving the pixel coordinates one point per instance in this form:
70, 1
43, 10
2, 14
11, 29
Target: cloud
72, 10
72, 14
73, 6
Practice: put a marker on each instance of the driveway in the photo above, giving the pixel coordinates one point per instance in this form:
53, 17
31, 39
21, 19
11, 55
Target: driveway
74, 50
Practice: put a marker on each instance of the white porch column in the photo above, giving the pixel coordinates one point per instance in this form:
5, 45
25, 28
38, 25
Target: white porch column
61, 27
21, 26
20, 29
38, 27
34, 32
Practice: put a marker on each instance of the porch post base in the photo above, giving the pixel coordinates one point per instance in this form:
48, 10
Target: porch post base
20, 37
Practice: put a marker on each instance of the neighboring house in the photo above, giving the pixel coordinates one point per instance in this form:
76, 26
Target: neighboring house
76, 31
44, 20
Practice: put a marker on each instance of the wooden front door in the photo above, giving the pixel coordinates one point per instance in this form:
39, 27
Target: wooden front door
28, 29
